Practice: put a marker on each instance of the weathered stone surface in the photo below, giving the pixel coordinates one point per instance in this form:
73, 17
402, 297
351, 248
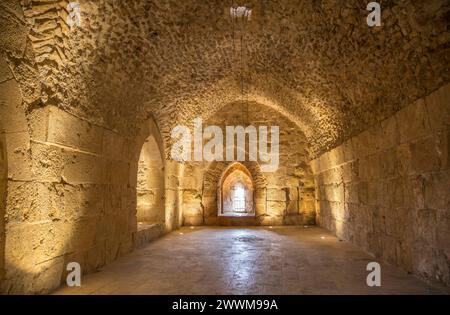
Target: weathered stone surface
371, 104
412, 122
405, 61
67, 130
397, 203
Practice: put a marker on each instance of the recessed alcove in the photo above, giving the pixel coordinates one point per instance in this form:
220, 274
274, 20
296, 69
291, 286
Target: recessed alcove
236, 192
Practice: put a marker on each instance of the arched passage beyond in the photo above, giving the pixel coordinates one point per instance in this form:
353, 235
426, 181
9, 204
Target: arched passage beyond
215, 175
236, 192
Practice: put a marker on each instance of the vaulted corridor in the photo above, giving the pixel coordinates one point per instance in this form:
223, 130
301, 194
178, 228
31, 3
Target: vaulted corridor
168, 146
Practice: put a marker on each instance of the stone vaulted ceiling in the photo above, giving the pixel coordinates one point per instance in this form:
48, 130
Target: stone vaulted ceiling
315, 61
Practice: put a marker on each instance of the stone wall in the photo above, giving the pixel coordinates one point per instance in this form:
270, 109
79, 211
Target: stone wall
387, 189
76, 202
150, 186
3, 182
285, 196
71, 180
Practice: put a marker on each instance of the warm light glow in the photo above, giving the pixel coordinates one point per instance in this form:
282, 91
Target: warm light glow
150, 190
236, 191
239, 199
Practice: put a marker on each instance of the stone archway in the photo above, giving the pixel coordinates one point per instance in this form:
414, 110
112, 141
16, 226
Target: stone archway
149, 173
235, 192
150, 184
212, 180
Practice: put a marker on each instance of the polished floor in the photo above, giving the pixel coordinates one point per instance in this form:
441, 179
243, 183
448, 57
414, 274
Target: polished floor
253, 260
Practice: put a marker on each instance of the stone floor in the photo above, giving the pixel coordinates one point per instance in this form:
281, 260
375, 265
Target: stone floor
249, 260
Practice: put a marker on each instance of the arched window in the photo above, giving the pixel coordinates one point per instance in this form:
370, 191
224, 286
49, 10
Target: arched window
236, 192
239, 198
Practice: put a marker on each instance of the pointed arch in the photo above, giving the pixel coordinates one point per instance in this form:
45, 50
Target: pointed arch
150, 186
210, 194
235, 191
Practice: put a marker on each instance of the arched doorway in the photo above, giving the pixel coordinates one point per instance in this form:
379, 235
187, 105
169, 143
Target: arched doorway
236, 192
150, 184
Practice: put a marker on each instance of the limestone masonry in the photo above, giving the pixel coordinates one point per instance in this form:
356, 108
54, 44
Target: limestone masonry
86, 114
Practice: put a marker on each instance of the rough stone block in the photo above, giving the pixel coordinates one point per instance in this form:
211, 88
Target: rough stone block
112, 250
68, 130
438, 108
34, 202
424, 156
12, 118
95, 257
274, 194
116, 147
390, 133
190, 182
19, 157
443, 231
38, 121
105, 229
437, 190
260, 194
403, 157
276, 207
338, 211
28, 245
332, 176
412, 122
361, 144
5, 72
113, 199
347, 148
351, 193
80, 168
147, 234
363, 193
350, 171
83, 232
425, 222
48, 162
126, 245
397, 192
336, 156
49, 275
374, 193
117, 172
